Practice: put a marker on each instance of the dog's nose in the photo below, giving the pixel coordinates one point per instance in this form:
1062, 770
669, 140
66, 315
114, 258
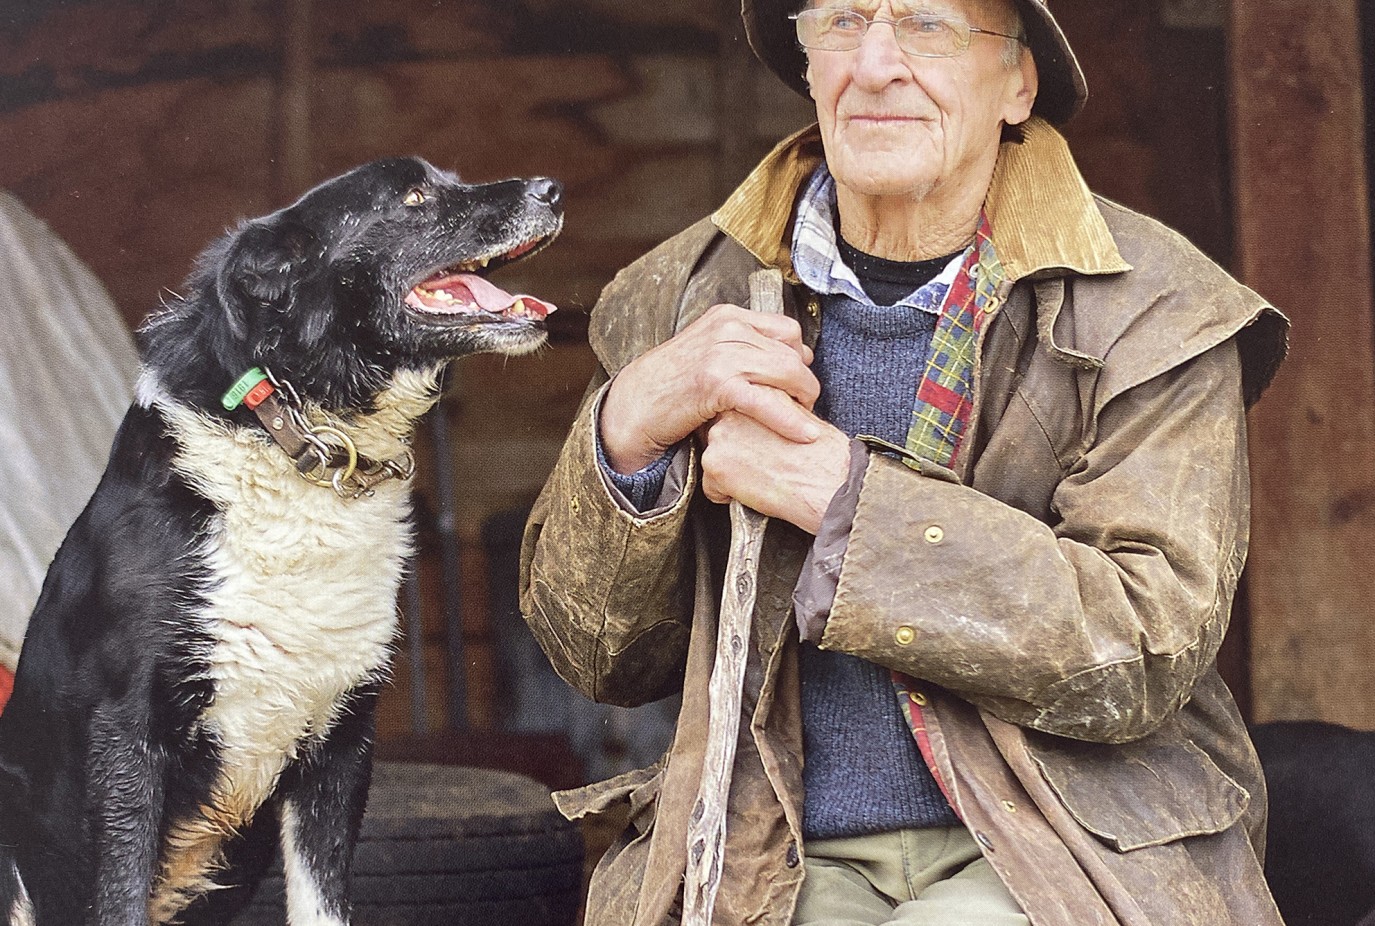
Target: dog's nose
545, 190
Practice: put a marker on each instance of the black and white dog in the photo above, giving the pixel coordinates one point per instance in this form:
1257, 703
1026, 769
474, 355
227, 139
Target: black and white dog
199, 677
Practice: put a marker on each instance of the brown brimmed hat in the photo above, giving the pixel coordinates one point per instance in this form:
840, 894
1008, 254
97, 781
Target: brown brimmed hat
1062, 88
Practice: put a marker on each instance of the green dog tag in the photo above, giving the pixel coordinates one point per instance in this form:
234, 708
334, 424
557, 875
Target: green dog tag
231, 399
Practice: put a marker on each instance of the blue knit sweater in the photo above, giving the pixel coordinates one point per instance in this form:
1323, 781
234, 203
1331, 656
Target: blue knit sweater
862, 770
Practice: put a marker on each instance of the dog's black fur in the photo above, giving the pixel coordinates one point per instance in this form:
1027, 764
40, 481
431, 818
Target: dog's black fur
103, 748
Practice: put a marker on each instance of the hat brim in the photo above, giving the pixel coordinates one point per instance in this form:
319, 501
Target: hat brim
1062, 92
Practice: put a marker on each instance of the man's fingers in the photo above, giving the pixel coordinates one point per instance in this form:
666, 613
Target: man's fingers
778, 328
745, 461
731, 382
777, 411
714, 365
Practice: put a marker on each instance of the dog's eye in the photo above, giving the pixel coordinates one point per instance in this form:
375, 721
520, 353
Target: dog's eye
415, 197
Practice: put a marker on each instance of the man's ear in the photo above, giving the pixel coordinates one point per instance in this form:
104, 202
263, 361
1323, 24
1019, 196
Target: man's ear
1023, 82
262, 268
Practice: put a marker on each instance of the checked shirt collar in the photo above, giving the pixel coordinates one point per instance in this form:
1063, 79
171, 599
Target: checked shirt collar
816, 255
960, 296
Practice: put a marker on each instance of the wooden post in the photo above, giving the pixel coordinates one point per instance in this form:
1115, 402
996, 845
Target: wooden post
735, 104
1303, 242
294, 150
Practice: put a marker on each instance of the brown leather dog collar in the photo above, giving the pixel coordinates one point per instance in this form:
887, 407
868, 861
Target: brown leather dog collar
323, 454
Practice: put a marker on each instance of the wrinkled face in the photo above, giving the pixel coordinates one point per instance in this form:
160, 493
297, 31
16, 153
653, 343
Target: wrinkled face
894, 124
381, 270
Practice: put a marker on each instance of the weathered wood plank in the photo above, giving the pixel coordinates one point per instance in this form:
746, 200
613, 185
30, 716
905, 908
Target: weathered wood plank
294, 122
1303, 240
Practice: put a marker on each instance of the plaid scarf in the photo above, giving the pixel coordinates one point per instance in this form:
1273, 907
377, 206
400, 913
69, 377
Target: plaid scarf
945, 398
946, 392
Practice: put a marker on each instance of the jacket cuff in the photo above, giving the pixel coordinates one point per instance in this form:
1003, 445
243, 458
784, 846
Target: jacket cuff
815, 591
591, 523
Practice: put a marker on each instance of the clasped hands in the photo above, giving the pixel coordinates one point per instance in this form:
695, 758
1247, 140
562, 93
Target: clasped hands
743, 382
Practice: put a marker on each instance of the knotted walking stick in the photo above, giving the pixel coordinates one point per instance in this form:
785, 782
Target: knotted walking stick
706, 840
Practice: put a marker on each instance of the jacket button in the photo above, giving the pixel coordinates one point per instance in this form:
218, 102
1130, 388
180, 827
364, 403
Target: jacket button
905, 635
917, 698
934, 534
793, 858
1009, 807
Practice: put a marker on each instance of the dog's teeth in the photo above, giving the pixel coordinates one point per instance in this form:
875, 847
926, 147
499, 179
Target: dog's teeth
485, 261
518, 308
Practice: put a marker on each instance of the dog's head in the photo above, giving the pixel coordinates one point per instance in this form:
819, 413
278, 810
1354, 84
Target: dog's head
370, 274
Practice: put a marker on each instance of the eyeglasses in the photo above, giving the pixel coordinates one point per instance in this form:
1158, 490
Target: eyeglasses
925, 35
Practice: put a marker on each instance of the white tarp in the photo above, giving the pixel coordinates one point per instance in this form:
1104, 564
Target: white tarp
67, 368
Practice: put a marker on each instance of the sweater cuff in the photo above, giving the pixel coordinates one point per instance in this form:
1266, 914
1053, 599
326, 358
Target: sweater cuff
646, 491
815, 591
642, 488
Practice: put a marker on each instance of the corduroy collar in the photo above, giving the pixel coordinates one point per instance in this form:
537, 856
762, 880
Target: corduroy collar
1045, 221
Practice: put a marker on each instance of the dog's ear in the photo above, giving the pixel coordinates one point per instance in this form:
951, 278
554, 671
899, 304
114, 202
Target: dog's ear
262, 267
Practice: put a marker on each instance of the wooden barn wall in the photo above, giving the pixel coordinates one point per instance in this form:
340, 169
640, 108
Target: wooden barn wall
140, 131
1304, 239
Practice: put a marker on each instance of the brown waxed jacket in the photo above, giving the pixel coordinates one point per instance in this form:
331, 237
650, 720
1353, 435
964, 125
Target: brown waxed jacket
1063, 622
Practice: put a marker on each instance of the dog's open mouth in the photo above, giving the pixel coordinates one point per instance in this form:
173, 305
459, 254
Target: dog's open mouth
460, 290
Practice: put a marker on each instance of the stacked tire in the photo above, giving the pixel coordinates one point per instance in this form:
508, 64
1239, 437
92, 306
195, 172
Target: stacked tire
457, 847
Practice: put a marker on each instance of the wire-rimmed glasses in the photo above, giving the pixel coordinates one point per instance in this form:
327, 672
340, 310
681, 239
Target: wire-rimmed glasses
925, 35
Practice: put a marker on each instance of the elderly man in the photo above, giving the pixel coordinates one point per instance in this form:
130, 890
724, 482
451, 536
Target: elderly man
1001, 437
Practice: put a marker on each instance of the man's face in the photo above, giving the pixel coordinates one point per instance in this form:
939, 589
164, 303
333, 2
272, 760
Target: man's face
894, 124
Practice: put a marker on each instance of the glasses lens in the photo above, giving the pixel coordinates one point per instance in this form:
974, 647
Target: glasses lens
831, 30
931, 36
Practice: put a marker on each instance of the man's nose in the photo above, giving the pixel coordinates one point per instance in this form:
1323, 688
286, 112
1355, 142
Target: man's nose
879, 58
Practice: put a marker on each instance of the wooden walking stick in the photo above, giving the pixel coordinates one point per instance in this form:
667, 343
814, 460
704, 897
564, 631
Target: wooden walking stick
706, 839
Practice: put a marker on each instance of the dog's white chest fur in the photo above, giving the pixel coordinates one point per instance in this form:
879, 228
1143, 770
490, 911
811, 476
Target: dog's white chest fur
300, 604
302, 613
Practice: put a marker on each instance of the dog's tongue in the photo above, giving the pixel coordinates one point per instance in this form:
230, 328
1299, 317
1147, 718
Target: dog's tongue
470, 290
493, 298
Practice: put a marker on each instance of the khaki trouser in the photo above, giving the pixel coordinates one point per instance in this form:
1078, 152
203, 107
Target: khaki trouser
925, 877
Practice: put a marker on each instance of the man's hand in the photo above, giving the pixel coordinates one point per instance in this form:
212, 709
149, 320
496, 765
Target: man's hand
730, 359
745, 460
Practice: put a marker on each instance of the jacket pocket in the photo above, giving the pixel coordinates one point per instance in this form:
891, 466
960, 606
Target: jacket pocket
1147, 792
619, 880
635, 793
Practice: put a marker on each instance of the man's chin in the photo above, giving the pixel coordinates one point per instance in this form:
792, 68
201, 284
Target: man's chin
883, 177
885, 162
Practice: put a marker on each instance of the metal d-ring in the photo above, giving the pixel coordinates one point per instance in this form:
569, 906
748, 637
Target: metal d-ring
342, 473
